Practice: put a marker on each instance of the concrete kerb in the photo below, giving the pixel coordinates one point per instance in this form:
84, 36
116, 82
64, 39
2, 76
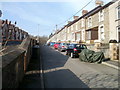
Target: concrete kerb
110, 65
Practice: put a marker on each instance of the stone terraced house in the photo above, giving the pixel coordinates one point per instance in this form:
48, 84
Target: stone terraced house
114, 21
95, 26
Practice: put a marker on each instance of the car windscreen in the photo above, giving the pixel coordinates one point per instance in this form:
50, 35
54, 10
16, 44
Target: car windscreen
63, 43
57, 43
67, 44
81, 46
71, 46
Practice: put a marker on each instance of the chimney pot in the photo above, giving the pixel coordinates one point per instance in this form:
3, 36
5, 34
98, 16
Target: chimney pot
76, 17
69, 22
98, 2
84, 12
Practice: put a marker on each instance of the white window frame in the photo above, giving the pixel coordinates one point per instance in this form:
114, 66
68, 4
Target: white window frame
118, 16
82, 22
89, 21
83, 34
78, 36
72, 36
76, 25
68, 29
101, 15
118, 30
88, 33
71, 27
102, 33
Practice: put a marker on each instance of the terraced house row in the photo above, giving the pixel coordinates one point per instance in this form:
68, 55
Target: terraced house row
10, 33
100, 25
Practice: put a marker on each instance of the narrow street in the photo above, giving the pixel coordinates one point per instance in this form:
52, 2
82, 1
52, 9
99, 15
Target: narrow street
61, 71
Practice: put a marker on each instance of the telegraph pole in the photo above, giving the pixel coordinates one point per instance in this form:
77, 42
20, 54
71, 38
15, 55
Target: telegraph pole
56, 27
38, 34
55, 32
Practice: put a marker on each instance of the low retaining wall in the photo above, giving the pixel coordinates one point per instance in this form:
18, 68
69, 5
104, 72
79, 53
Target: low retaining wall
14, 64
100, 48
110, 50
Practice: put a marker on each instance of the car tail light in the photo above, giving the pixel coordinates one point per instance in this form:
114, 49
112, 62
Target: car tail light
75, 49
63, 46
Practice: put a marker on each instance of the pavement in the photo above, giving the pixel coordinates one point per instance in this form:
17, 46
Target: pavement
112, 63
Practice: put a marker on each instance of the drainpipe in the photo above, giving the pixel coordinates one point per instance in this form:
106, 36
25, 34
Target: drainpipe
85, 29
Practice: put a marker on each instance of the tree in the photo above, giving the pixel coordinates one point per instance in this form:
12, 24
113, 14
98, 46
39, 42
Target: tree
43, 39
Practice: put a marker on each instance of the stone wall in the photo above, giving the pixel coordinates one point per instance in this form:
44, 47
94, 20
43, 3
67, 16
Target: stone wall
110, 50
97, 47
14, 64
12, 68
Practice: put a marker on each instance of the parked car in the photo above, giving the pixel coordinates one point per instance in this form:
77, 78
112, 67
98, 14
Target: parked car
63, 46
56, 45
51, 44
74, 50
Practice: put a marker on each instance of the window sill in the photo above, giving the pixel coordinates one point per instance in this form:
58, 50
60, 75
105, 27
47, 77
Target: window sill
117, 20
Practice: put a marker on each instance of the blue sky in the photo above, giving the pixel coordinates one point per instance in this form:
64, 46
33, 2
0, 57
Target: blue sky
40, 18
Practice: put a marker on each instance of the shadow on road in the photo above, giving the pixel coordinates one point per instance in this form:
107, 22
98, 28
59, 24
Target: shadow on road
63, 78
55, 75
52, 58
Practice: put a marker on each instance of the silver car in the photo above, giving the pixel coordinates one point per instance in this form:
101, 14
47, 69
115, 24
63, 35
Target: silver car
63, 46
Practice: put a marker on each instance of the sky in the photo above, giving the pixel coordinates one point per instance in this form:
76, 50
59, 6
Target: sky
41, 17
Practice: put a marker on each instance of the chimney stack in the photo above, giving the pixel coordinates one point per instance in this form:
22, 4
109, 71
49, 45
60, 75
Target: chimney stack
84, 12
69, 22
99, 2
76, 17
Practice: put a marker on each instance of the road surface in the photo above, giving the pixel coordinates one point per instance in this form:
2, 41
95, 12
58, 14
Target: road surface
61, 71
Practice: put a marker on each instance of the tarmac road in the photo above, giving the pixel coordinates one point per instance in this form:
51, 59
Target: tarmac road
61, 71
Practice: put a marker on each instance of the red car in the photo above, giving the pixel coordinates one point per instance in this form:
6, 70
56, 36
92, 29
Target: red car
56, 45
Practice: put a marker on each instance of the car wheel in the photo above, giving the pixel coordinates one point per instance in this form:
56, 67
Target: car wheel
71, 55
66, 53
61, 50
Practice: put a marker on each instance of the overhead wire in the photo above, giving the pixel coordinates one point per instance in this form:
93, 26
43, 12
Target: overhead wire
76, 12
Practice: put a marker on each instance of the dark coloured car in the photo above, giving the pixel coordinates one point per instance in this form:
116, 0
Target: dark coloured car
74, 50
63, 46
